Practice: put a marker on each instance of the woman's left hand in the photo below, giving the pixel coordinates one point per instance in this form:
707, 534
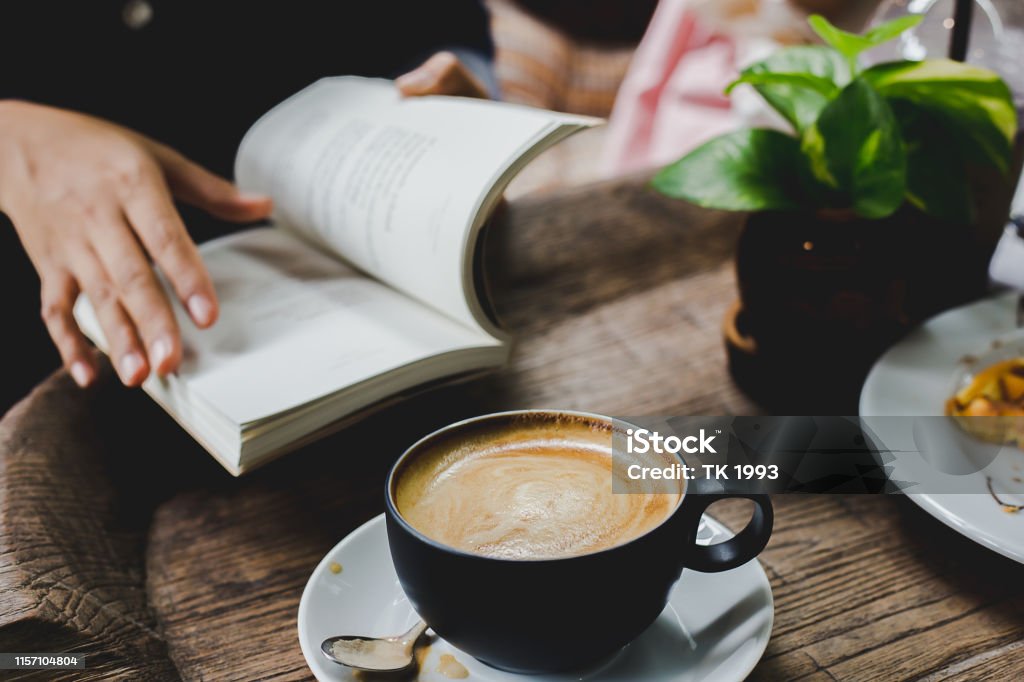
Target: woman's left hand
442, 74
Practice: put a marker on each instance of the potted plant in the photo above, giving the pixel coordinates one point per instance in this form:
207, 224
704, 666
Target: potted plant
863, 215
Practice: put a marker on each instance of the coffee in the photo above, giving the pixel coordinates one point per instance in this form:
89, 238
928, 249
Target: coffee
535, 490
467, 504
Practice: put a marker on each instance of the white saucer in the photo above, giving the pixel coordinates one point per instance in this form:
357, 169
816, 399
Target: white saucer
914, 378
715, 627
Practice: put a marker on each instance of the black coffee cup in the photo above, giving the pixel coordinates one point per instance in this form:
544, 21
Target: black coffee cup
551, 615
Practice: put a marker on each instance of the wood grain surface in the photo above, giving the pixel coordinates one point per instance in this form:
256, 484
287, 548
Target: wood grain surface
121, 539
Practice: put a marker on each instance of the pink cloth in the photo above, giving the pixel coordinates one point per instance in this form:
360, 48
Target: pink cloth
671, 99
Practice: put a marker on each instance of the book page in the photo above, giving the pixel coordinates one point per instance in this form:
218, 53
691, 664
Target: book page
392, 185
296, 325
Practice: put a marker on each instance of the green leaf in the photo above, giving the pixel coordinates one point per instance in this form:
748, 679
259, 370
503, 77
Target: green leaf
883, 33
936, 174
851, 45
816, 60
976, 104
747, 170
813, 147
802, 80
855, 147
847, 44
823, 87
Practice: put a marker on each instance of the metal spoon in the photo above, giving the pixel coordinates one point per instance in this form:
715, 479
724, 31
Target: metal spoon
374, 654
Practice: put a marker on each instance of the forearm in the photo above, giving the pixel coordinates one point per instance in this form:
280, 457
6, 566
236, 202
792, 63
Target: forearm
11, 110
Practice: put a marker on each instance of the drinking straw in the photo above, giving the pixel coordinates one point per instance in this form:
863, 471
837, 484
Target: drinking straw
962, 16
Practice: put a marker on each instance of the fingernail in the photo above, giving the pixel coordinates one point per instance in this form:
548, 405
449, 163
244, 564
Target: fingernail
159, 352
81, 373
252, 196
416, 80
130, 366
201, 310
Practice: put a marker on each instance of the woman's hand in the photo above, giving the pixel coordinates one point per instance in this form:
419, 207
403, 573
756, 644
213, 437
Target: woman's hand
92, 202
442, 74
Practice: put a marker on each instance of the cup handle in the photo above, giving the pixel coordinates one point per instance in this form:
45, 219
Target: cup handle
740, 548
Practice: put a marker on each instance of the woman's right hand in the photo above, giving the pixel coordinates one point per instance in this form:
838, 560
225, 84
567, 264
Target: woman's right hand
92, 202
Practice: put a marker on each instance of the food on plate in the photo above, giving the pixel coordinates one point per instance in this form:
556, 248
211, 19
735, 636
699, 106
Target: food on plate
996, 392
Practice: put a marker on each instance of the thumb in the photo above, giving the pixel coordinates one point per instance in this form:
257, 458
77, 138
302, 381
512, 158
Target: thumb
442, 74
195, 185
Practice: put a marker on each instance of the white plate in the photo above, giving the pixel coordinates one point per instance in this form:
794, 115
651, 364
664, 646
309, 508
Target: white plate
715, 627
914, 378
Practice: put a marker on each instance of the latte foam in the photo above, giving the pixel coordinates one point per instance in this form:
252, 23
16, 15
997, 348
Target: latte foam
527, 492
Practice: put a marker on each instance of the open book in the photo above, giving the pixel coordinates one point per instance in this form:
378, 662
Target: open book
364, 286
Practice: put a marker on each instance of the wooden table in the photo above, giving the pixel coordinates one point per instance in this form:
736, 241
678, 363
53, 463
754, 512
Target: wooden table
120, 539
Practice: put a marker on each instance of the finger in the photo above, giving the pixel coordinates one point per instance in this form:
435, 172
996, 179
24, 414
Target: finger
58, 295
123, 343
195, 185
139, 292
150, 211
442, 74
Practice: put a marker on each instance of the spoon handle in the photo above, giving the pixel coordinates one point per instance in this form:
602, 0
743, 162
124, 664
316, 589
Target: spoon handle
414, 633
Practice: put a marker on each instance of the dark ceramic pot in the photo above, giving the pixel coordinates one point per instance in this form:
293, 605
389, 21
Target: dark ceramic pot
823, 295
